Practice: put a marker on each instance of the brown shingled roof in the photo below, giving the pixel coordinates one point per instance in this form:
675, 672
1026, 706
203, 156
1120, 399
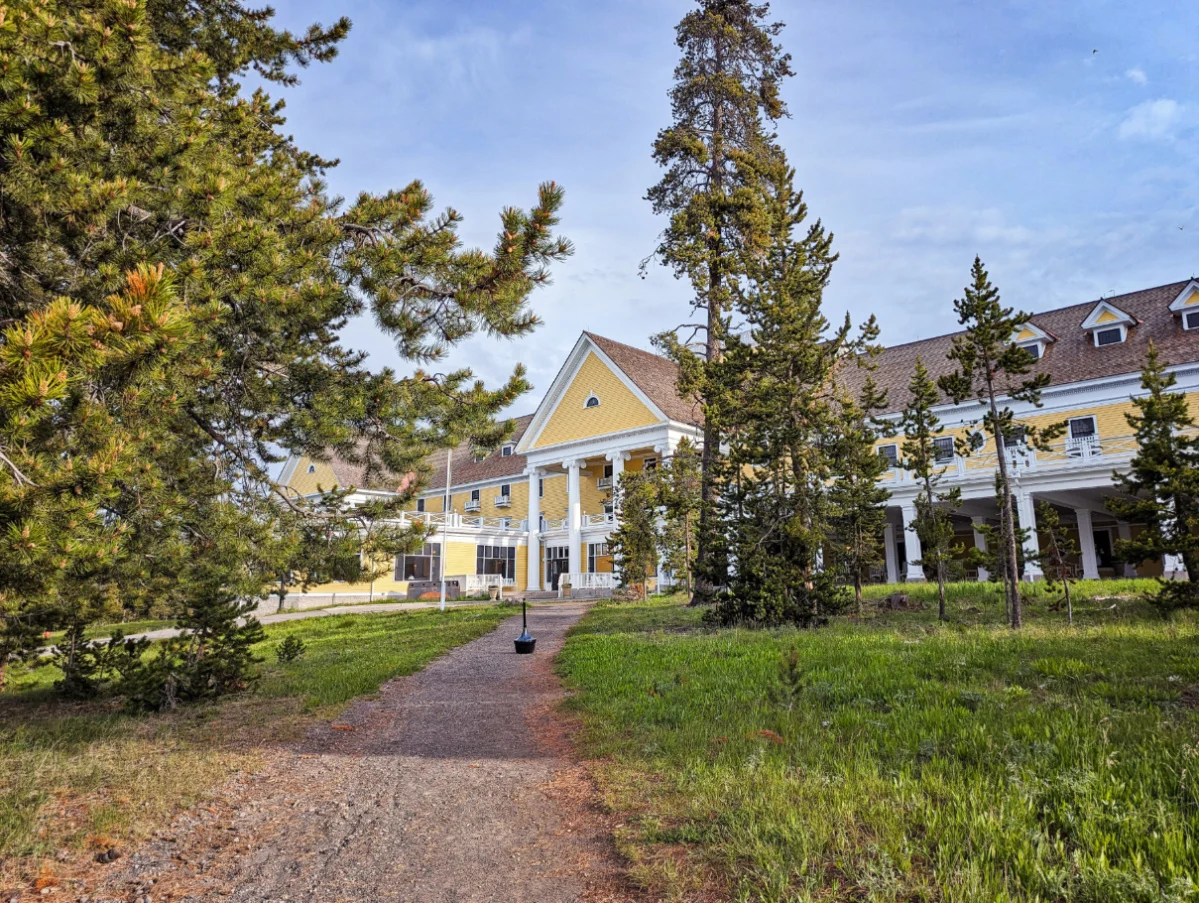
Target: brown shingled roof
466, 470
654, 375
1072, 358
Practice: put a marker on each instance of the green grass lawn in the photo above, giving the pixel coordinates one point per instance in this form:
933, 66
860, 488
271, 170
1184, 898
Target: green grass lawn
906, 761
79, 776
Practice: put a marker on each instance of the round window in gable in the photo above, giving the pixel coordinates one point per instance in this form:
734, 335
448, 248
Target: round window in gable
592, 401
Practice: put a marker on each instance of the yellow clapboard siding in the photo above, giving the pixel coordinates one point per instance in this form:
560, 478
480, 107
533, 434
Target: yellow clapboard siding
1106, 317
619, 409
306, 483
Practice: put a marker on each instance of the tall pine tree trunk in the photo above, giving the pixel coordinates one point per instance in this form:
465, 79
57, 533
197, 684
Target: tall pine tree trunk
1007, 520
940, 588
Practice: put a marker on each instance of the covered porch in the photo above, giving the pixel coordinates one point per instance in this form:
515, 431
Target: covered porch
1082, 511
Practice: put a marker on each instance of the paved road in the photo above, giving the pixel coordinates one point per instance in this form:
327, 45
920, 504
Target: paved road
456, 784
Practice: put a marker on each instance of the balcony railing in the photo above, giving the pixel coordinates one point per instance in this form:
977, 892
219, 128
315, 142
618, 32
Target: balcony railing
503, 501
598, 520
479, 583
473, 505
603, 483
588, 581
1062, 454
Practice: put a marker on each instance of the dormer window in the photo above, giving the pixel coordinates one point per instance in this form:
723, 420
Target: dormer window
1107, 324
1186, 306
592, 401
1033, 339
507, 451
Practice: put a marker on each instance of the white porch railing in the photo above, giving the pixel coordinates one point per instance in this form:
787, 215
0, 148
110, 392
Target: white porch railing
479, 583
601, 580
555, 524
437, 519
598, 520
493, 523
1061, 455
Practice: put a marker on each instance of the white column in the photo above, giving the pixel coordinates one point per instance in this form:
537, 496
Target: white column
891, 553
980, 543
914, 573
1086, 544
1027, 515
574, 514
617, 460
1173, 567
1124, 531
534, 562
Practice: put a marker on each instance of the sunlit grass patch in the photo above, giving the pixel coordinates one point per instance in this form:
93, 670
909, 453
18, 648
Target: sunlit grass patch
908, 761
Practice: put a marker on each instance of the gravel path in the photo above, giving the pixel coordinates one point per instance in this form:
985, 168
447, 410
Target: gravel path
454, 785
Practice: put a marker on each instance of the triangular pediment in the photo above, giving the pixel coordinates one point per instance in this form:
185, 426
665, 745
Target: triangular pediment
591, 396
1105, 314
1031, 332
1187, 298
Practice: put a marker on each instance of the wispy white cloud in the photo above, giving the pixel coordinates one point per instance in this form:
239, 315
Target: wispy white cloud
1153, 120
1137, 76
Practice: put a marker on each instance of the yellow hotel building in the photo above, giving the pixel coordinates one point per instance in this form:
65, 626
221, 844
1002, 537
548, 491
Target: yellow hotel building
537, 512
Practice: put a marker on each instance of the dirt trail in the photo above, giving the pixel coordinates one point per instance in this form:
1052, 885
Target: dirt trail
455, 784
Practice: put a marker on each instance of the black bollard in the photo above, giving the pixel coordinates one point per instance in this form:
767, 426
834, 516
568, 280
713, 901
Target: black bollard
524, 642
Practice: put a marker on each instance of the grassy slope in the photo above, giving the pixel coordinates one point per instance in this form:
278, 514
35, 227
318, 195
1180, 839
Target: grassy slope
915, 762
79, 776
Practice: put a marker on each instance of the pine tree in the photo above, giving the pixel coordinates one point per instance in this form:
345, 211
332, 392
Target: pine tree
775, 398
992, 367
1161, 483
635, 542
857, 500
934, 510
1058, 553
678, 483
174, 279
724, 99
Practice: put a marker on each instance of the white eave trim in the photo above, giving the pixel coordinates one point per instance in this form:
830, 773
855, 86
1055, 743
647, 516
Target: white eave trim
1092, 323
566, 374
1179, 304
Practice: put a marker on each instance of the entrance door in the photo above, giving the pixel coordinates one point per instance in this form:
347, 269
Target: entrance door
557, 563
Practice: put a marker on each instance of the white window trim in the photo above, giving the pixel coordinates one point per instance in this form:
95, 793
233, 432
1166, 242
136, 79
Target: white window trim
1035, 346
1094, 422
507, 450
937, 459
1186, 315
1108, 327
894, 462
587, 401
506, 489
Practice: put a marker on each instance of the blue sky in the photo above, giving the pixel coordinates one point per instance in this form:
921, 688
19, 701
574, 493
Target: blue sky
1059, 140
